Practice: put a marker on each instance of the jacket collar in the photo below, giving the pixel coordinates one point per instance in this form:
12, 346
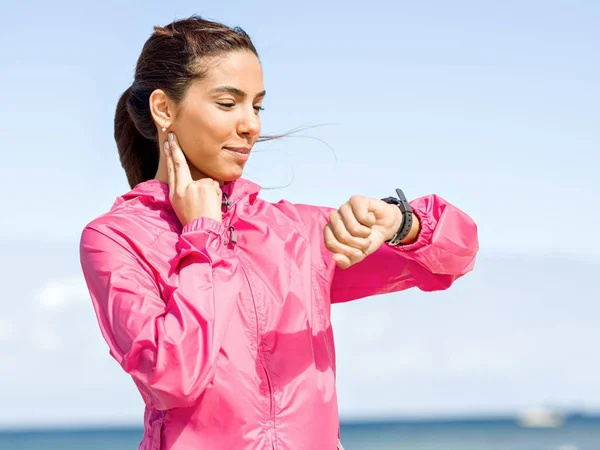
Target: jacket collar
157, 192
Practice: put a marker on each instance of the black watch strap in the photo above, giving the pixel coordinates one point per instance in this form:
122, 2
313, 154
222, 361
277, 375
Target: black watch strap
407, 216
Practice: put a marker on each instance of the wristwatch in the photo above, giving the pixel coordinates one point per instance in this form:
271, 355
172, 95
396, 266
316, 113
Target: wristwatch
407, 216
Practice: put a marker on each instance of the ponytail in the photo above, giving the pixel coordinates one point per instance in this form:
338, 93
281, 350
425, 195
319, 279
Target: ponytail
138, 154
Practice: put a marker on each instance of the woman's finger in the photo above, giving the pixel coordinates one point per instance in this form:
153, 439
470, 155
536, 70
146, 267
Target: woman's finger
183, 176
362, 212
342, 253
343, 235
341, 261
170, 168
213, 183
351, 223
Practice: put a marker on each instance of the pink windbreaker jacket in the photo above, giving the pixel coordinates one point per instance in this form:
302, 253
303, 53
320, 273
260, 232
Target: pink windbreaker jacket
225, 327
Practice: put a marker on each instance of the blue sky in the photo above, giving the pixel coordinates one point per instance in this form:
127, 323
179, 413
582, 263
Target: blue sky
492, 106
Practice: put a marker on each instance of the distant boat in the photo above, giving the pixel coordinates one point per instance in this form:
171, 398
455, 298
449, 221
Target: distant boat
540, 417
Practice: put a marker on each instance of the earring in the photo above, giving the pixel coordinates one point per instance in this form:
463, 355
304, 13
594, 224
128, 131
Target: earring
164, 129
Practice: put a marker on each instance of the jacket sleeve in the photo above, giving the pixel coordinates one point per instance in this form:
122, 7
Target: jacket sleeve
169, 343
445, 250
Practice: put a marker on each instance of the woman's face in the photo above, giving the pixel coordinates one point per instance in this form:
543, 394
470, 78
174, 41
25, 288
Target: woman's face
218, 122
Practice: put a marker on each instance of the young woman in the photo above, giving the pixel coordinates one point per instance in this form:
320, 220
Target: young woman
216, 302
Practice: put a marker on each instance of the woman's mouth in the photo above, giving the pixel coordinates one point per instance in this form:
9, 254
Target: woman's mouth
242, 153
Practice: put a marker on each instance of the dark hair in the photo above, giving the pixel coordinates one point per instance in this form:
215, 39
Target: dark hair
173, 57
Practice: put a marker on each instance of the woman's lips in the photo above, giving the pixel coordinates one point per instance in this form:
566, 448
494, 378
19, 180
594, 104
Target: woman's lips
242, 153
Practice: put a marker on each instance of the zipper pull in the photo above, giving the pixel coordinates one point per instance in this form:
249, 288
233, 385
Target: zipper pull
233, 239
226, 202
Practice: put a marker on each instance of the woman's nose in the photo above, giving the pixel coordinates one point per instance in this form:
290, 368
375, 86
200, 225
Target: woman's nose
250, 124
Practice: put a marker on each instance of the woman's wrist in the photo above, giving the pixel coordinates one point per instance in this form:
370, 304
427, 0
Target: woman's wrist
413, 234
415, 228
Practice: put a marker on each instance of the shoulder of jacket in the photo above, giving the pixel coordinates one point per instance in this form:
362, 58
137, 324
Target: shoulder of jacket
125, 225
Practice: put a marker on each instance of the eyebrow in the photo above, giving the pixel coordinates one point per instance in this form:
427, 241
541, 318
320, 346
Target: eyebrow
235, 91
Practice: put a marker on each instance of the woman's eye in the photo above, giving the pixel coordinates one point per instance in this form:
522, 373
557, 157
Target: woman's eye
231, 105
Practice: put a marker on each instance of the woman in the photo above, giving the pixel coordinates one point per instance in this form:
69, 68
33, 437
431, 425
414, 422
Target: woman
216, 302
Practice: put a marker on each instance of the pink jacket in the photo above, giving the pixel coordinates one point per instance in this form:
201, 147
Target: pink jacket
225, 327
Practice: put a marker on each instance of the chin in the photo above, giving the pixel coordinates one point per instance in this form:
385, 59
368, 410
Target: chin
230, 175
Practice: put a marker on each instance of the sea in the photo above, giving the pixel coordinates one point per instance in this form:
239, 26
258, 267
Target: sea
579, 433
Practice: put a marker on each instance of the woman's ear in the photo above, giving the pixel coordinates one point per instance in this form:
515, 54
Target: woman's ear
162, 109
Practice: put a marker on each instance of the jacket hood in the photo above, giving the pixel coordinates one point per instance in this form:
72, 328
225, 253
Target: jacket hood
157, 192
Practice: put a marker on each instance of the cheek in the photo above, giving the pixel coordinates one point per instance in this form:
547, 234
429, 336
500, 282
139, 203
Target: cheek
214, 126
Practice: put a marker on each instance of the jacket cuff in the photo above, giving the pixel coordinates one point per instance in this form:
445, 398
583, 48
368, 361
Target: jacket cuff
428, 224
201, 237
204, 224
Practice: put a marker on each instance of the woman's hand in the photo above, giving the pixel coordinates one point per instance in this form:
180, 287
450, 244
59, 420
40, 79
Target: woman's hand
359, 227
190, 199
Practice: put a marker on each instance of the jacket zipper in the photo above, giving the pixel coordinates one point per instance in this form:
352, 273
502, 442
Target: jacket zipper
226, 204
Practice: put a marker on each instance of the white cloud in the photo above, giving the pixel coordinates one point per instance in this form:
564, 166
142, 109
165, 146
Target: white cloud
58, 294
